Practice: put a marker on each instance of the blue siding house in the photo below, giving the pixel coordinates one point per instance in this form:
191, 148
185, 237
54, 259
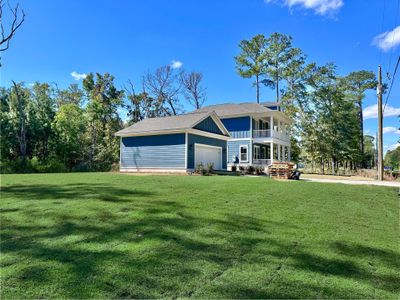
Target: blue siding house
174, 144
225, 135
259, 132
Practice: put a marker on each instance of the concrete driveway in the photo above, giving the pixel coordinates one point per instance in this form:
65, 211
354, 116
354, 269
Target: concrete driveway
349, 181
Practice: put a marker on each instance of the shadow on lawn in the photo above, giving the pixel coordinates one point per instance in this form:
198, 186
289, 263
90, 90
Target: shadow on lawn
165, 251
75, 191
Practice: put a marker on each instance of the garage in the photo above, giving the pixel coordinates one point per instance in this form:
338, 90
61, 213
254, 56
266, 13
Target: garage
206, 154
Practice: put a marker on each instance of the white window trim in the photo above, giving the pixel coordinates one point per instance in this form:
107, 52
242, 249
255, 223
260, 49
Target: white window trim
247, 153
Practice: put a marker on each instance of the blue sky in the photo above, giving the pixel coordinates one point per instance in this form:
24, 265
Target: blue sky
127, 38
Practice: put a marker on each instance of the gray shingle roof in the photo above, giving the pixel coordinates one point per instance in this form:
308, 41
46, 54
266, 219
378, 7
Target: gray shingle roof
230, 109
179, 122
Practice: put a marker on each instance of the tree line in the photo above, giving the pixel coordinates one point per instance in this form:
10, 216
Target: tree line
48, 129
44, 128
326, 108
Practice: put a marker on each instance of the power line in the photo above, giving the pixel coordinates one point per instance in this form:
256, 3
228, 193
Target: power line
382, 23
391, 46
391, 84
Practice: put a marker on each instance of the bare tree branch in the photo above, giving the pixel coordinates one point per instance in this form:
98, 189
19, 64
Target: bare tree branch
162, 85
192, 90
17, 21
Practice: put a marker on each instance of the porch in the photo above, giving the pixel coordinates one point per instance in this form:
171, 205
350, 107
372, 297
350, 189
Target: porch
264, 154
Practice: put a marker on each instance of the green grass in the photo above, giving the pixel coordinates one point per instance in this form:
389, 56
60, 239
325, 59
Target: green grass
119, 236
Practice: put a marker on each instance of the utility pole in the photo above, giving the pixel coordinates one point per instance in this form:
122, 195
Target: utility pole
379, 91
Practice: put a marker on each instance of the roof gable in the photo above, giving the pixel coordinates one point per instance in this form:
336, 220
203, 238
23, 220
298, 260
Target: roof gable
178, 123
209, 125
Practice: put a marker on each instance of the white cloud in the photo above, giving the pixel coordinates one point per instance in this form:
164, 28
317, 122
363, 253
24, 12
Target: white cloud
388, 40
321, 7
390, 147
176, 64
390, 129
371, 112
78, 76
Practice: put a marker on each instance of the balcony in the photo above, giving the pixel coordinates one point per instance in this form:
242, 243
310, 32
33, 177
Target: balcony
270, 133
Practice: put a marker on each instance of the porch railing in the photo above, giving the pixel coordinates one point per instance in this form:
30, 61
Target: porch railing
270, 133
263, 162
262, 133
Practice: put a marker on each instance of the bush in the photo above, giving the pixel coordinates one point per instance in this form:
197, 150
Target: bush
33, 165
51, 165
17, 166
259, 170
115, 167
80, 168
250, 170
241, 168
233, 168
200, 169
210, 168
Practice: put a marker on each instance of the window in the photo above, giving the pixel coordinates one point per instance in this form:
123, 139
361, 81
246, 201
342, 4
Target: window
264, 152
243, 151
276, 151
257, 152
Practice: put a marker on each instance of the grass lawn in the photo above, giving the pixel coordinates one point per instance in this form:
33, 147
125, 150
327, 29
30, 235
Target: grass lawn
103, 235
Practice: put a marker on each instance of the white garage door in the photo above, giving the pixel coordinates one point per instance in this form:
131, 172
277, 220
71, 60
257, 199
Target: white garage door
208, 154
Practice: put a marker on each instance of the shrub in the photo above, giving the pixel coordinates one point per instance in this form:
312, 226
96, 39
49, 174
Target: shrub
241, 168
51, 165
250, 170
210, 168
233, 168
33, 165
259, 170
115, 167
200, 169
80, 168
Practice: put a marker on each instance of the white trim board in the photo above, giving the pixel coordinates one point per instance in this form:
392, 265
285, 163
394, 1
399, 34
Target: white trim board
208, 134
152, 170
189, 130
186, 149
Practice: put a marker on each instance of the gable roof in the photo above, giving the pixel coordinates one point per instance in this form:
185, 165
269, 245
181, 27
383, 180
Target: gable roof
171, 123
230, 109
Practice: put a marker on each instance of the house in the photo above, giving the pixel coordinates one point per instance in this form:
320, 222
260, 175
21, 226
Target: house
259, 132
174, 144
225, 135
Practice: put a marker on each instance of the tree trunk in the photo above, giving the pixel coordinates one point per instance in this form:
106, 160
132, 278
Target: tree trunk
172, 107
277, 83
22, 132
257, 89
361, 126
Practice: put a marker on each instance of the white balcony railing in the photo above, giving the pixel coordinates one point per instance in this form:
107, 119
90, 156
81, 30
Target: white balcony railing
270, 133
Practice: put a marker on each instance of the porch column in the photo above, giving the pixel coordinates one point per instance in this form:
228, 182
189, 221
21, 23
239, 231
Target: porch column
272, 124
272, 152
289, 158
283, 153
